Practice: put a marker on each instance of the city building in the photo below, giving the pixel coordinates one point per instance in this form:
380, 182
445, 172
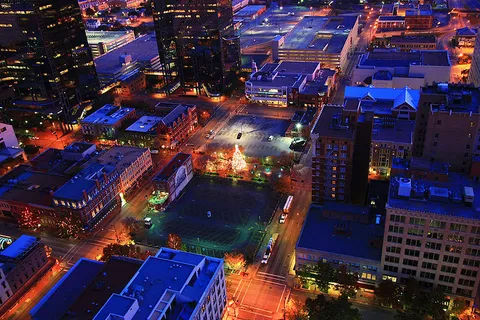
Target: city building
396, 69
432, 233
20, 261
342, 235
413, 43
391, 139
129, 4
24, 190
239, 4
420, 18
144, 132
101, 42
387, 22
132, 84
175, 176
327, 40
383, 102
92, 24
178, 123
447, 125
85, 4
402, 8
291, 84
132, 163
200, 51
139, 55
53, 75
465, 37
9, 147
106, 121
170, 285
90, 196
474, 73
85, 288
341, 155
251, 12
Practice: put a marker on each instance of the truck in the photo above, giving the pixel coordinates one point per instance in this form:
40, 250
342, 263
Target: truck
270, 245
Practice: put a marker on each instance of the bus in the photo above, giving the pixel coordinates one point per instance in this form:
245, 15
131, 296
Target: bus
288, 204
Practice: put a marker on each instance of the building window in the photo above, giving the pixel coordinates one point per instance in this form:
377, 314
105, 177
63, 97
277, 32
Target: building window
449, 269
439, 122
417, 221
437, 224
458, 227
415, 232
431, 255
468, 273
397, 218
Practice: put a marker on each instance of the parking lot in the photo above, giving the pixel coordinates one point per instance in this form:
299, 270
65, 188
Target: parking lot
255, 132
239, 211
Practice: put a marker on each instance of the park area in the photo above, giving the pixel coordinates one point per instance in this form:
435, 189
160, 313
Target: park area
214, 216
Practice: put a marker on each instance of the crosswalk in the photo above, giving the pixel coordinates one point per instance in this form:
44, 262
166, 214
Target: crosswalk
270, 278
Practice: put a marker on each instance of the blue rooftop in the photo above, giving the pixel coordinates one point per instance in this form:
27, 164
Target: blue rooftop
443, 198
19, 246
58, 300
107, 115
321, 233
396, 96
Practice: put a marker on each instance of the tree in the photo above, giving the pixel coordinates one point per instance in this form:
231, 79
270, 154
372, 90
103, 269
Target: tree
334, 309
347, 282
174, 241
69, 227
387, 293
30, 149
89, 12
28, 219
458, 306
137, 104
323, 274
116, 249
410, 293
295, 310
235, 261
131, 224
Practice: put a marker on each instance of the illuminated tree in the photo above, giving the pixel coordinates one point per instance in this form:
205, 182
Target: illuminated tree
238, 160
295, 310
69, 227
125, 250
28, 219
235, 261
131, 224
387, 293
174, 241
332, 309
347, 282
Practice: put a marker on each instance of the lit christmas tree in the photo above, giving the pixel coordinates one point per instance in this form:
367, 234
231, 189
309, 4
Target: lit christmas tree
238, 161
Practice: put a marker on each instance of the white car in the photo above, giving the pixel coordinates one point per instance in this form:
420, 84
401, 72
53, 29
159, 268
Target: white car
147, 222
283, 217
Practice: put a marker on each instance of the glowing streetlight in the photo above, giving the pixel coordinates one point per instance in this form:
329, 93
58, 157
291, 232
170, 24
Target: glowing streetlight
298, 126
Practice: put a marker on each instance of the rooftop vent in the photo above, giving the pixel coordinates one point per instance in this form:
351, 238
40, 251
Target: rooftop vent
404, 187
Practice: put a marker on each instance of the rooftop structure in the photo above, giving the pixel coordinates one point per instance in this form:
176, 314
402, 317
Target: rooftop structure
251, 11
392, 58
330, 124
321, 39
342, 237
172, 167
108, 115
145, 124
19, 247
120, 157
23, 184
173, 284
454, 97
101, 42
438, 197
396, 131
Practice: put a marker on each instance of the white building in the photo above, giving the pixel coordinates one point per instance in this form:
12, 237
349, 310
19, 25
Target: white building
101, 42
396, 69
432, 233
327, 40
172, 285
9, 147
92, 24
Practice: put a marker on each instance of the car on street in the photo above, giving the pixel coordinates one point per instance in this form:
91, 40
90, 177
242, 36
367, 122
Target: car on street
283, 217
147, 222
239, 135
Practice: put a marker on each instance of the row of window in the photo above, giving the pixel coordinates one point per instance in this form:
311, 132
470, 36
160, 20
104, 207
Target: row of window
435, 224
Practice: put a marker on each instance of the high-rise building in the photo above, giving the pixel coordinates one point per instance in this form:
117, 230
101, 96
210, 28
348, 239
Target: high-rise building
447, 124
197, 44
432, 233
45, 58
474, 74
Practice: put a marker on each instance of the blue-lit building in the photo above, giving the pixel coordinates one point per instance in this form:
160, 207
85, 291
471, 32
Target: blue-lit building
89, 196
342, 235
106, 121
170, 285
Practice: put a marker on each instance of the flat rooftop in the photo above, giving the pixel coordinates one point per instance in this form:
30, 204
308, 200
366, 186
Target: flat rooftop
393, 58
171, 111
120, 157
329, 124
398, 131
442, 198
161, 278
143, 49
94, 37
145, 124
23, 184
172, 167
456, 97
18, 247
78, 147
249, 10
413, 39
348, 238
320, 33
107, 115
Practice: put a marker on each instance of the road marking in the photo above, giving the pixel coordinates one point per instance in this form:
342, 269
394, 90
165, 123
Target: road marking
256, 313
281, 298
241, 303
238, 285
270, 282
271, 275
251, 307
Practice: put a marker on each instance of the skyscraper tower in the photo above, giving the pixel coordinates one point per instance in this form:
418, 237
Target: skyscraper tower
45, 60
197, 43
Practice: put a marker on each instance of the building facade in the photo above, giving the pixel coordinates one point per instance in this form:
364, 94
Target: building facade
106, 121
175, 176
48, 61
432, 234
474, 74
200, 51
101, 42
